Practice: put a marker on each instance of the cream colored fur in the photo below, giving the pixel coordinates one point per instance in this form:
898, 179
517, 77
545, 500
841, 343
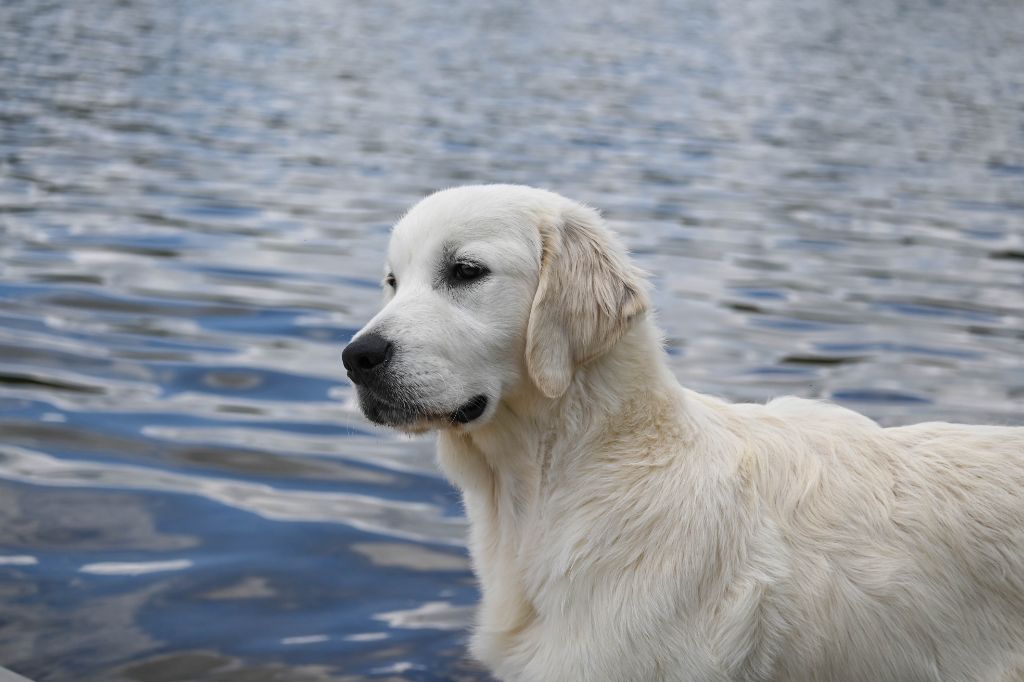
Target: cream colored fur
624, 528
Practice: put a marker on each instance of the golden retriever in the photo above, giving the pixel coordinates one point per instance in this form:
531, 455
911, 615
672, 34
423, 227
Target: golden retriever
624, 528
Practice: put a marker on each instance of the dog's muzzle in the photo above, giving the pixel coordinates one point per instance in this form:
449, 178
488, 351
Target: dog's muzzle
367, 361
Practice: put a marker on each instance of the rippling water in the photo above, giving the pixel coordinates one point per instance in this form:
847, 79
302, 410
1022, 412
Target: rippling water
194, 202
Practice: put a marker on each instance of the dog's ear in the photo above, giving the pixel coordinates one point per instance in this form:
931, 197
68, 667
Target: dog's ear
587, 295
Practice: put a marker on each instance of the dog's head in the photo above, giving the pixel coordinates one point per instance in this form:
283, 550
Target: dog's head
490, 289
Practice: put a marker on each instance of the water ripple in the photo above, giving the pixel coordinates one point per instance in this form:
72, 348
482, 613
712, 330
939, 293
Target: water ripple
407, 520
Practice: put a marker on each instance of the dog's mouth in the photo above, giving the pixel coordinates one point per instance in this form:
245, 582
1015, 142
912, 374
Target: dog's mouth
397, 413
471, 410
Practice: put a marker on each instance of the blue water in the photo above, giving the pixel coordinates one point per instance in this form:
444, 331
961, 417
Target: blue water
195, 199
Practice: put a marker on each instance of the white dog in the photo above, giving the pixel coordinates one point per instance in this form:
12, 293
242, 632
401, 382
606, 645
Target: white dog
627, 529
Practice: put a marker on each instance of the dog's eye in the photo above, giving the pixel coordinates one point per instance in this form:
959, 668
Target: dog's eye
465, 272
391, 281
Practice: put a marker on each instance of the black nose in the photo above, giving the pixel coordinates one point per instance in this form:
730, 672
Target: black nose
364, 356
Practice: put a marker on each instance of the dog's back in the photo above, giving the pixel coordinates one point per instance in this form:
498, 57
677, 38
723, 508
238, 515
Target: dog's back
905, 546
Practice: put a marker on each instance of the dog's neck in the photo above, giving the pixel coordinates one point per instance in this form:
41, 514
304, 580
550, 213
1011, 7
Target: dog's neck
529, 430
510, 469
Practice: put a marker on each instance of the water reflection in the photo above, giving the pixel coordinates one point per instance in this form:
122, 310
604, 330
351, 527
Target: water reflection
396, 518
195, 198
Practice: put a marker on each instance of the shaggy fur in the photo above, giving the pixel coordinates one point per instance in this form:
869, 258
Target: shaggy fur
624, 528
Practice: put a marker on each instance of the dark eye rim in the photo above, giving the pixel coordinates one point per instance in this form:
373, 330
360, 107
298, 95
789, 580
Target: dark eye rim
390, 280
468, 271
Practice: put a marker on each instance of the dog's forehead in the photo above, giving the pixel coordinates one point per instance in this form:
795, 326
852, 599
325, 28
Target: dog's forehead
445, 224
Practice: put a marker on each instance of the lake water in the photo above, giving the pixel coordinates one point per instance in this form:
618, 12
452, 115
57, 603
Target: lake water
195, 199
